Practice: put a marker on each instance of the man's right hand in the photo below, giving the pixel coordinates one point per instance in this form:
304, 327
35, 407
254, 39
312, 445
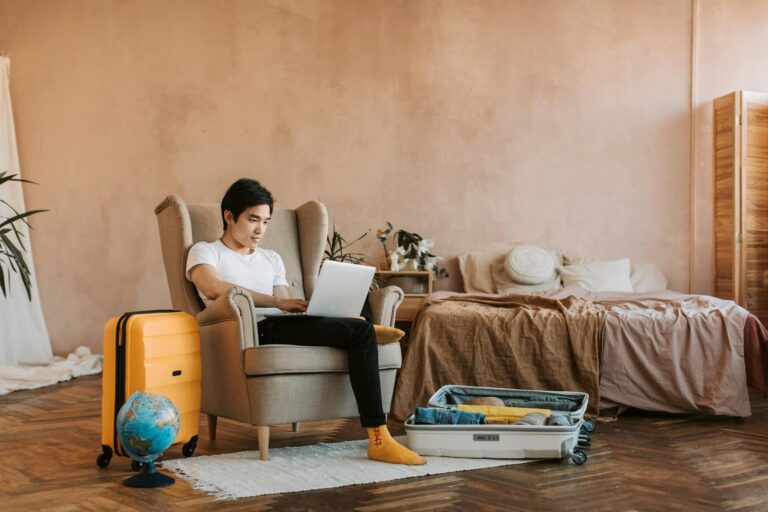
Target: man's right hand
292, 305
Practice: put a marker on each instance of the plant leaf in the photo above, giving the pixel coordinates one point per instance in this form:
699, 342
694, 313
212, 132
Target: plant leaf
336, 246
2, 281
11, 220
23, 220
4, 176
16, 259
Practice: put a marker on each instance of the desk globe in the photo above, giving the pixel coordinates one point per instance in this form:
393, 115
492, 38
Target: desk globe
147, 424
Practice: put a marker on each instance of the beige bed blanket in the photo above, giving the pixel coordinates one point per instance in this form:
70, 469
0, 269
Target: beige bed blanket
511, 341
663, 351
672, 352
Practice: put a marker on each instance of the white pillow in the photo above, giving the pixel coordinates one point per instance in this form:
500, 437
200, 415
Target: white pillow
646, 277
528, 264
599, 276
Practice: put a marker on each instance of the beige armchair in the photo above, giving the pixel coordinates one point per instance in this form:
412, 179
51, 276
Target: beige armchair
270, 384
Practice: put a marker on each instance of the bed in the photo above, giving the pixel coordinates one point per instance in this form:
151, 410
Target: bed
652, 350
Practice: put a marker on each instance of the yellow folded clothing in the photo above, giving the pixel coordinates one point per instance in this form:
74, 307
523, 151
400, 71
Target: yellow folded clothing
501, 420
385, 335
494, 414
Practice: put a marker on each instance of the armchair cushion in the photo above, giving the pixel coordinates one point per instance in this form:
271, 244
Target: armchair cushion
282, 359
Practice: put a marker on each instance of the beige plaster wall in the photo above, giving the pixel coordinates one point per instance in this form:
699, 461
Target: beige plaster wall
564, 123
733, 35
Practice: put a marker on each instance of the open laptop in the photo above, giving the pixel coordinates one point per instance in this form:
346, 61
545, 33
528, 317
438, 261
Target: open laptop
340, 291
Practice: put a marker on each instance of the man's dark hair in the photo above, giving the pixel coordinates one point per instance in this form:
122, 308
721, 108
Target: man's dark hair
243, 194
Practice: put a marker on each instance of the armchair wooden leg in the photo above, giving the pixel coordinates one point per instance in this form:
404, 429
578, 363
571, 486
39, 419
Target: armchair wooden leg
263, 435
296, 426
212, 426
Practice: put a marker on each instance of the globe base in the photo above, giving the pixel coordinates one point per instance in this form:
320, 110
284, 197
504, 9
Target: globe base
149, 477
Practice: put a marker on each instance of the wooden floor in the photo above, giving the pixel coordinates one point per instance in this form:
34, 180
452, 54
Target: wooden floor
49, 440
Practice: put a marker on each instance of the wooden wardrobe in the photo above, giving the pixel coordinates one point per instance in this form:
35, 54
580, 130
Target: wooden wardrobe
741, 200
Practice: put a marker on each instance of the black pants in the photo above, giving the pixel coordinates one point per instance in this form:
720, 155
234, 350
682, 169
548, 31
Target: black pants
355, 336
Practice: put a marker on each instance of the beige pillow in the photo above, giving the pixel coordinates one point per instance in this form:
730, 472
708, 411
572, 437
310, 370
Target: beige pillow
483, 272
475, 268
505, 284
599, 276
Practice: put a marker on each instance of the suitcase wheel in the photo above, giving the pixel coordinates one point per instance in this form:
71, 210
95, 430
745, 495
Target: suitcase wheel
189, 448
589, 426
578, 457
106, 455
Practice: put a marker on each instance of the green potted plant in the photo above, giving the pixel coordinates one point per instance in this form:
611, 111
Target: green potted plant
412, 252
337, 249
11, 245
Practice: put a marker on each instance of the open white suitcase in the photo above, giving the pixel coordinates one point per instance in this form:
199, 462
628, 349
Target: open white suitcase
505, 441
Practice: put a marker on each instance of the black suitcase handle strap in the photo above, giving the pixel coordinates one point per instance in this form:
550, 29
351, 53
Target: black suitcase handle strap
121, 331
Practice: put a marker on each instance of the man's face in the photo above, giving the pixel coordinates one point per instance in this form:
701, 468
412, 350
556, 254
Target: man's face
250, 225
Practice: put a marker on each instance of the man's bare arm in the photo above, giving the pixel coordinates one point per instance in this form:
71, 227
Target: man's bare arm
208, 281
281, 292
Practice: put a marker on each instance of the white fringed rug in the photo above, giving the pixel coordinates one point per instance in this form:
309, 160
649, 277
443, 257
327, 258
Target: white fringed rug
305, 468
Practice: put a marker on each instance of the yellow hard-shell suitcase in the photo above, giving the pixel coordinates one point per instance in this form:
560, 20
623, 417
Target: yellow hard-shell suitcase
153, 352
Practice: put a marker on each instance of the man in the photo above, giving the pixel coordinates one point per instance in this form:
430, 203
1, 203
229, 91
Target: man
236, 260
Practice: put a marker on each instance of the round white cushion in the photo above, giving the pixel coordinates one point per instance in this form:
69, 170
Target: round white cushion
528, 264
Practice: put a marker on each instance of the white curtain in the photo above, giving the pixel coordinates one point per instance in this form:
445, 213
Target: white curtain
23, 335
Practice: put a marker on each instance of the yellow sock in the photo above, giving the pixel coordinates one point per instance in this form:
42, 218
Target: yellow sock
382, 447
386, 335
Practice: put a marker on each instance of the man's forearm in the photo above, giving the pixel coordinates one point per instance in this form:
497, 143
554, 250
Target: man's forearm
260, 300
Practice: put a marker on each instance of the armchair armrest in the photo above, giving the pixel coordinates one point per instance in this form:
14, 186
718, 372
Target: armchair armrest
227, 329
384, 303
234, 306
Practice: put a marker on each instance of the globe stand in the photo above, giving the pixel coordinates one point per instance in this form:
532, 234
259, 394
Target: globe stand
149, 477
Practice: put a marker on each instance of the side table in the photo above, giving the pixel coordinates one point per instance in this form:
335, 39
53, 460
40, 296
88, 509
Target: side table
416, 284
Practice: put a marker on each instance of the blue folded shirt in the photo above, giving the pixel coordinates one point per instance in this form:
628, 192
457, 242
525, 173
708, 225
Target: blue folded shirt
437, 416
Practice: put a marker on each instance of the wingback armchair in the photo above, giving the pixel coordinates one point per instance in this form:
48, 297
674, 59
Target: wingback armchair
266, 385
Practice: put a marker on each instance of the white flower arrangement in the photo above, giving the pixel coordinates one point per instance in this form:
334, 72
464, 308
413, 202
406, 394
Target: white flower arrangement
413, 252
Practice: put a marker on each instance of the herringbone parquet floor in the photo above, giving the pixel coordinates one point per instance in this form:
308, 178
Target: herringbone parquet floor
49, 440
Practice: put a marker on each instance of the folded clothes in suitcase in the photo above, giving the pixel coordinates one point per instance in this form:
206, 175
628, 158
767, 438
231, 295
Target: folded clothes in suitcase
151, 352
504, 441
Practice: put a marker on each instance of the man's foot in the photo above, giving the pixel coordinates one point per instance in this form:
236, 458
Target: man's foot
382, 447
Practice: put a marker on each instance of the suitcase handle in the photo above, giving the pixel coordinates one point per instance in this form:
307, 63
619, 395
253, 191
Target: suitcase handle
121, 331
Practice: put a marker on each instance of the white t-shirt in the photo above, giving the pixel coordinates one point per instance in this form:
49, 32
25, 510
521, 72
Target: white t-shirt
259, 271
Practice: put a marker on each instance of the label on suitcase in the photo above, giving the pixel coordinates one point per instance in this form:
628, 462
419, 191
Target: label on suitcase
154, 351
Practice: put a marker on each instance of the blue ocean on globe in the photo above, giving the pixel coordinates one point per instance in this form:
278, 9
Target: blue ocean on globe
147, 424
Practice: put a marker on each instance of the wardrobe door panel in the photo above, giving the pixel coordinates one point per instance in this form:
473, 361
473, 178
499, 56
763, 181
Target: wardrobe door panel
754, 207
726, 200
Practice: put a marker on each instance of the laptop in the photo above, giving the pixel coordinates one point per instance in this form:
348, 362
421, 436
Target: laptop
340, 291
